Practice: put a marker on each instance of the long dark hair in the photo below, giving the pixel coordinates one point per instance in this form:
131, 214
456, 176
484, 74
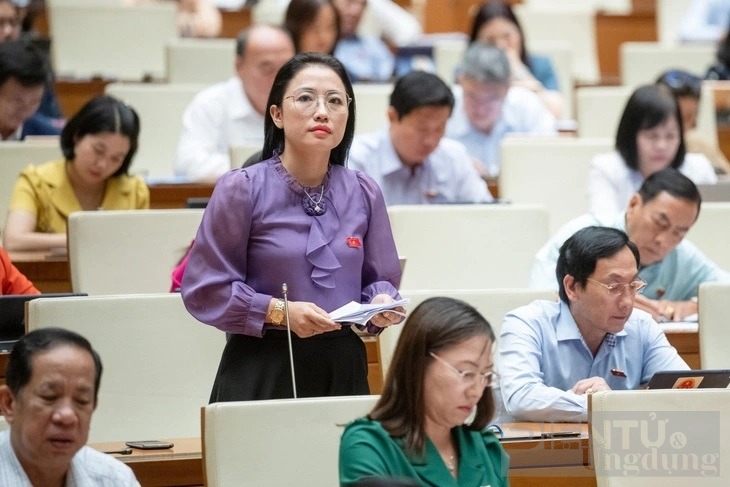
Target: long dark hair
274, 136
436, 324
102, 114
496, 9
301, 14
648, 106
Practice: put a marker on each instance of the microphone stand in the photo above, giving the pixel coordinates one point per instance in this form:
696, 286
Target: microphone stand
285, 291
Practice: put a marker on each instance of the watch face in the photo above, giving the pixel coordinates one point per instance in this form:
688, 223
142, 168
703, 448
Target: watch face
277, 316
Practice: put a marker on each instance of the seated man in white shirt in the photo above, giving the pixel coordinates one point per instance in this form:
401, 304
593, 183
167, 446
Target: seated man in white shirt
552, 355
53, 378
232, 113
488, 108
656, 219
411, 160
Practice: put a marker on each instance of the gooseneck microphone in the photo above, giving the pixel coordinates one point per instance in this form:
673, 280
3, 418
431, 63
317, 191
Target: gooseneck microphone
285, 292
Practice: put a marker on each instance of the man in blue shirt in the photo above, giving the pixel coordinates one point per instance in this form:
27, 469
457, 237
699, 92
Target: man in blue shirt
552, 355
366, 58
411, 160
657, 218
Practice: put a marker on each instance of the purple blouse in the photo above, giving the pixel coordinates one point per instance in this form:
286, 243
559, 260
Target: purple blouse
255, 235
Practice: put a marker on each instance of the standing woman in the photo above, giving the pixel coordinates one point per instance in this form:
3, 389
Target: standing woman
314, 25
298, 217
496, 24
441, 373
98, 145
649, 138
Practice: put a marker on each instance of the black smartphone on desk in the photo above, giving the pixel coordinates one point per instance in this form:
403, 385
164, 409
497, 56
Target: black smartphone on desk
150, 445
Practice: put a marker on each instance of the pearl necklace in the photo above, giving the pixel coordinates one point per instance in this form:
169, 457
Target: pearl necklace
450, 464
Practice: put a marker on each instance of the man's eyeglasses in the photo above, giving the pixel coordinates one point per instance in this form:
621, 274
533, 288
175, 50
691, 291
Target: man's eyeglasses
306, 101
470, 377
618, 289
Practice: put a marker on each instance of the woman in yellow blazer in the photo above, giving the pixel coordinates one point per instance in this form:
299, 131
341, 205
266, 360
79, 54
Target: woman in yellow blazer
98, 145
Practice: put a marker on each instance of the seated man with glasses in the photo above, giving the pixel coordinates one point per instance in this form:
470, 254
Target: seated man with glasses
656, 219
553, 354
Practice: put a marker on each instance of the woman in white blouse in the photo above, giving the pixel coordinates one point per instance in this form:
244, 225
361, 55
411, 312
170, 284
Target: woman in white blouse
649, 138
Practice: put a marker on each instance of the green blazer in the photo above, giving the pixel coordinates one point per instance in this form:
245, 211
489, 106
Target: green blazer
367, 450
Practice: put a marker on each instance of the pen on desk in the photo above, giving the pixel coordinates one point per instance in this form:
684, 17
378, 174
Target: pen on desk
123, 451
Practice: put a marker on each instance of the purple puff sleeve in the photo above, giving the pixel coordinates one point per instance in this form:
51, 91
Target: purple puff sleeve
213, 287
381, 273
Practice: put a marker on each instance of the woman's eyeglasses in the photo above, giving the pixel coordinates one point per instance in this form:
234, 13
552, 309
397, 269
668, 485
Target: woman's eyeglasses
618, 289
306, 101
470, 377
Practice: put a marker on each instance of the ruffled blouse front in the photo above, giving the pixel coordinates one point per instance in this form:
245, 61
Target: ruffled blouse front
256, 235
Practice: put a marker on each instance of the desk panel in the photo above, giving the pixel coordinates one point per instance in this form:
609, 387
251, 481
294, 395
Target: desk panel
167, 196
535, 463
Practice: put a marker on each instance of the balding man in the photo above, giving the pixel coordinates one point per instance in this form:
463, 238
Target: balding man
232, 113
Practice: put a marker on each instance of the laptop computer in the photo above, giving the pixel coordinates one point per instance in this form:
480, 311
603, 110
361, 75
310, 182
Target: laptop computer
690, 379
12, 314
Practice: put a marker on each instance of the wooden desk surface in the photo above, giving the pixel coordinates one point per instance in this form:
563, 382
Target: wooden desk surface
534, 462
168, 196
49, 272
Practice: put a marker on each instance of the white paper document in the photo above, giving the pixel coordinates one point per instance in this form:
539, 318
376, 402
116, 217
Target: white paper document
359, 313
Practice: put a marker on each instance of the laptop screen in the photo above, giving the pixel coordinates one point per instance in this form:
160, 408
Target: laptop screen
690, 379
12, 313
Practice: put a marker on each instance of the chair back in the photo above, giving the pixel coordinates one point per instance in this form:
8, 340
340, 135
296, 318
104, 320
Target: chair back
574, 24
447, 55
372, 100
277, 442
710, 232
128, 252
560, 54
643, 62
16, 156
599, 109
558, 169
493, 304
160, 108
110, 40
706, 112
669, 15
468, 246
202, 61
159, 361
714, 329
660, 438
240, 153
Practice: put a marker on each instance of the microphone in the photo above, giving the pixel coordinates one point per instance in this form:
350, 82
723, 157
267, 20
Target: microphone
285, 292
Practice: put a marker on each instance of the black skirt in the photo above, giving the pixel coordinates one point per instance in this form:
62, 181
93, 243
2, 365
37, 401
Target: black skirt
330, 364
